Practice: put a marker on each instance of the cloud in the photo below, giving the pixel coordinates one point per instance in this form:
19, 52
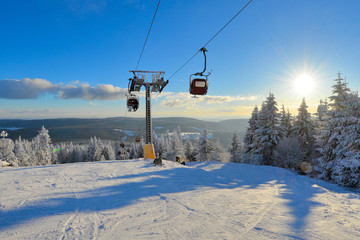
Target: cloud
226, 110
31, 111
33, 88
25, 88
185, 99
99, 92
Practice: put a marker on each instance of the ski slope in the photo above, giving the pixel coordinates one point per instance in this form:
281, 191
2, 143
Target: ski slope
204, 200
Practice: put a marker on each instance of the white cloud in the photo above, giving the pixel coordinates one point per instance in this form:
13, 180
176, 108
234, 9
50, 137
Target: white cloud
99, 92
185, 99
226, 110
31, 111
33, 88
25, 88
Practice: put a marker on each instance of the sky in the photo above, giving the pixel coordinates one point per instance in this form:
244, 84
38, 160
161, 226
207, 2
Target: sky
71, 58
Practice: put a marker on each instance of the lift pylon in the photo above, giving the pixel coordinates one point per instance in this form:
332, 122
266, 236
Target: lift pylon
153, 81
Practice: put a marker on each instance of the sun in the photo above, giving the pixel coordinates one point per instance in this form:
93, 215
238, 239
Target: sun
304, 83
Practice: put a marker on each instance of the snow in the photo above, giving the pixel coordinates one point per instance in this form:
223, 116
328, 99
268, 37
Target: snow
127, 132
11, 128
4, 164
133, 199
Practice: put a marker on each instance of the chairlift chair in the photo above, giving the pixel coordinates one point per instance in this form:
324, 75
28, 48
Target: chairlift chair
199, 81
198, 86
132, 103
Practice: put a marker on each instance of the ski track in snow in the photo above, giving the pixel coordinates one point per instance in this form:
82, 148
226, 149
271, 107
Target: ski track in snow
204, 200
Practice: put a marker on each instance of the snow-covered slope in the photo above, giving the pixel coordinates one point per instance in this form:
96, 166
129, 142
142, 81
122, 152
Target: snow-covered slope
135, 200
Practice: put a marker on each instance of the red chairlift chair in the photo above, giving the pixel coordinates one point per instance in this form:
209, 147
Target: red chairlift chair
199, 81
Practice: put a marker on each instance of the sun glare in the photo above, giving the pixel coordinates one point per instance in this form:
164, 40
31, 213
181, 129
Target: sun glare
304, 83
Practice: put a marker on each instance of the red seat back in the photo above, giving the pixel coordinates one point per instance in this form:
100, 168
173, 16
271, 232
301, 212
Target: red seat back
198, 86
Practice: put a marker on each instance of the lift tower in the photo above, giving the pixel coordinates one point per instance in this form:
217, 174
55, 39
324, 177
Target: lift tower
153, 81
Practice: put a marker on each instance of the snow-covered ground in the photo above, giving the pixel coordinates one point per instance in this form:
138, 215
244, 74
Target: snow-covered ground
136, 200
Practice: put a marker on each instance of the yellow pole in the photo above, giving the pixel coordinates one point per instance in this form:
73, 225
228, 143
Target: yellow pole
149, 152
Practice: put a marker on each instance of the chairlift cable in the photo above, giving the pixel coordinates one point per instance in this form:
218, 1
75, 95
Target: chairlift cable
137, 65
227, 23
211, 38
184, 64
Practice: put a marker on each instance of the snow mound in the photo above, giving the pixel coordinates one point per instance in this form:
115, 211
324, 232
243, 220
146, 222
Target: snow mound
134, 199
4, 164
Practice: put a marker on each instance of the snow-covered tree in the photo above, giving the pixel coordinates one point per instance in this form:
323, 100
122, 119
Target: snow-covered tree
108, 151
94, 150
249, 138
122, 151
286, 122
189, 151
304, 130
3, 134
268, 133
205, 148
22, 152
221, 154
42, 148
340, 137
235, 148
288, 153
322, 110
7, 150
178, 144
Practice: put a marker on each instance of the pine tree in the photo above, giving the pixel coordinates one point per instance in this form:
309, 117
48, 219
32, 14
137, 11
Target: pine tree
75, 154
160, 146
305, 132
339, 138
288, 153
189, 151
42, 148
269, 132
322, 110
285, 122
7, 150
95, 148
177, 144
21, 152
220, 153
235, 148
330, 135
108, 151
249, 138
205, 148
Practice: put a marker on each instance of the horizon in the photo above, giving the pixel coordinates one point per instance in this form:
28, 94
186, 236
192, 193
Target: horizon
71, 59
208, 119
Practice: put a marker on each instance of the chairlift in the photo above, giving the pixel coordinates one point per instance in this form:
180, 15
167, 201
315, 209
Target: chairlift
199, 81
137, 139
132, 103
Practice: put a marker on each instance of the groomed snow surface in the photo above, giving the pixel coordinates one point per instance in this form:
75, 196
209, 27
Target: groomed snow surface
204, 200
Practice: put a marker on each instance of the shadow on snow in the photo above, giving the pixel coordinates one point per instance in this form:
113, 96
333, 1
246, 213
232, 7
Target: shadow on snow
298, 190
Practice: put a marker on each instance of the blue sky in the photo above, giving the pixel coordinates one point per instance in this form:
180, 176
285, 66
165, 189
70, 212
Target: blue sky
72, 58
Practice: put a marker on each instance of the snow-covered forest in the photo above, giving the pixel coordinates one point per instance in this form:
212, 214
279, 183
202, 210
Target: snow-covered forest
325, 145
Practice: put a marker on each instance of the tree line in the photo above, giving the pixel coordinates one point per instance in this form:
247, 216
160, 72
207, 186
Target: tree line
40, 150
325, 145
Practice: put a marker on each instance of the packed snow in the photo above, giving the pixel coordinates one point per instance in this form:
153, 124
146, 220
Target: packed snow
133, 199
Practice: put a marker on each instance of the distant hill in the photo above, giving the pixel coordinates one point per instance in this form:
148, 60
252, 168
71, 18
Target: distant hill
80, 130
